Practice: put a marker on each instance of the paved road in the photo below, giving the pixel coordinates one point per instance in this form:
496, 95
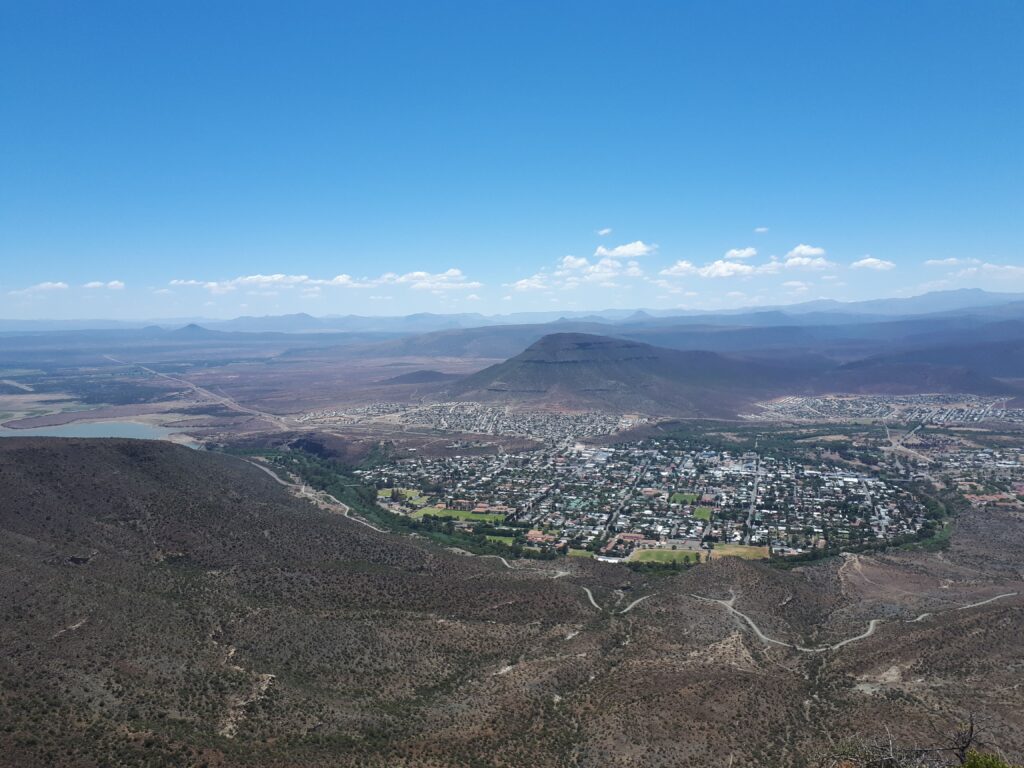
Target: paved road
624, 497
224, 400
753, 498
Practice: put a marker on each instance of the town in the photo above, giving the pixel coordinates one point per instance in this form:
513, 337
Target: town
926, 409
659, 500
476, 418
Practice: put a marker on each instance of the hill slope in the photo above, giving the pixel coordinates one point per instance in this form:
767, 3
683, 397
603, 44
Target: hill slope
578, 370
169, 607
583, 370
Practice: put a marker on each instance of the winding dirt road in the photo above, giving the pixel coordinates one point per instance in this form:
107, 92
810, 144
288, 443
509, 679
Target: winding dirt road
590, 597
634, 604
872, 624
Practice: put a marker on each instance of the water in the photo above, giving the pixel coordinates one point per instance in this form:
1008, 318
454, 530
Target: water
132, 429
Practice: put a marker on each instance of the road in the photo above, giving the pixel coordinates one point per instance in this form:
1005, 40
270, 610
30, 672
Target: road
896, 446
634, 604
590, 597
627, 609
872, 624
753, 497
317, 496
224, 400
625, 496
986, 602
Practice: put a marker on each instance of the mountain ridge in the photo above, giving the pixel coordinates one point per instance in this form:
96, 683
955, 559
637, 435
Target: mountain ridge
580, 370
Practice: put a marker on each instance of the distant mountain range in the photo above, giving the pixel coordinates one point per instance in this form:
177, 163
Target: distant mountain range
711, 364
577, 370
811, 312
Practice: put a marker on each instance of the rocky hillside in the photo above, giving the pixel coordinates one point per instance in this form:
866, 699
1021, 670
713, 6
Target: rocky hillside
169, 607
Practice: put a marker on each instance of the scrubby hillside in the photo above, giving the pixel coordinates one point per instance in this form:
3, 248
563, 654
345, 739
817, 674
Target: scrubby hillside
168, 607
583, 370
578, 370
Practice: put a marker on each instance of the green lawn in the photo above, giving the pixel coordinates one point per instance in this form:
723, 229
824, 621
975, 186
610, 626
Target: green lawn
409, 494
580, 553
663, 555
457, 514
506, 540
702, 513
683, 498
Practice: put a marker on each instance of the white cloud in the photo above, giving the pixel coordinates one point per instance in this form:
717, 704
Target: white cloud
719, 268
44, 287
681, 267
472, 297
797, 286
451, 279
163, 291
741, 253
573, 270
627, 251
870, 262
760, 230
805, 250
535, 283
722, 268
114, 285
807, 262
604, 231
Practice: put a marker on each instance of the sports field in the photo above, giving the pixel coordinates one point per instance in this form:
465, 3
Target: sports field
458, 514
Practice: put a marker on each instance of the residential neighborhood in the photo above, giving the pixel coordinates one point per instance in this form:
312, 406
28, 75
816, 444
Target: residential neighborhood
628, 501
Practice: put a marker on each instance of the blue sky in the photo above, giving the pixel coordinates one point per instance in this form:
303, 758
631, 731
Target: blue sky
214, 159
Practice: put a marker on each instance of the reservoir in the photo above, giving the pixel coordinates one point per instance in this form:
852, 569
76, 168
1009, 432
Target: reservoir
132, 429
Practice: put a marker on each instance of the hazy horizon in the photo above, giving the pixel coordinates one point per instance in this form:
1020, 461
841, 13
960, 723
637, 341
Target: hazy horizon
623, 311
